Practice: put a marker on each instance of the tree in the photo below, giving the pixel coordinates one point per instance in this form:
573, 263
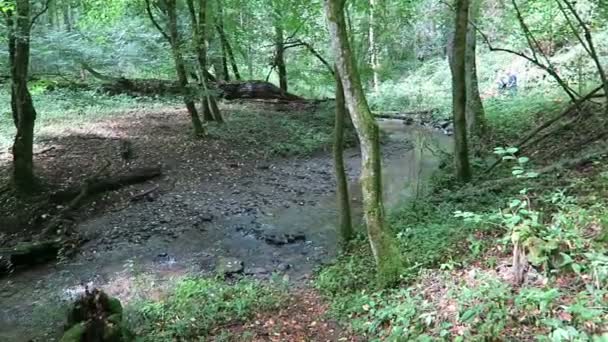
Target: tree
459, 92
211, 111
169, 8
345, 221
279, 55
476, 121
225, 42
386, 254
19, 25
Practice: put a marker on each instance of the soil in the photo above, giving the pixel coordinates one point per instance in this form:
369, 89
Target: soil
214, 201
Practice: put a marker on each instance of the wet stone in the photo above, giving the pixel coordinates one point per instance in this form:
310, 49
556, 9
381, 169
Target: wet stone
228, 266
256, 271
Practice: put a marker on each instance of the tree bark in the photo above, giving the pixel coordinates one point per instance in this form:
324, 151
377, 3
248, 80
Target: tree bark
344, 221
373, 48
211, 111
180, 68
279, 57
386, 254
476, 121
459, 92
24, 113
226, 43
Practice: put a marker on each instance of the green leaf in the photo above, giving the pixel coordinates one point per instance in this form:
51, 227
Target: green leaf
512, 150
523, 160
468, 315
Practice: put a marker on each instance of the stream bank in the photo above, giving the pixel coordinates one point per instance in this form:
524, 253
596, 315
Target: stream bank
275, 218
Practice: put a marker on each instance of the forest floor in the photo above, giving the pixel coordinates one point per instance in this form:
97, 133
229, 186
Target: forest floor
257, 192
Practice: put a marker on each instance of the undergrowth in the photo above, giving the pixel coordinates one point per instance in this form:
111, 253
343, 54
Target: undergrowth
295, 132
200, 307
459, 284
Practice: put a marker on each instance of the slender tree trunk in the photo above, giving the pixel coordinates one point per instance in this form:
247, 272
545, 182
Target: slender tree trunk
24, 113
67, 20
382, 243
224, 60
211, 112
279, 57
52, 13
459, 92
373, 48
476, 121
226, 43
344, 222
180, 68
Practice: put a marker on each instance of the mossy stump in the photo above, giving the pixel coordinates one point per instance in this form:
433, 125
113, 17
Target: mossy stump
96, 317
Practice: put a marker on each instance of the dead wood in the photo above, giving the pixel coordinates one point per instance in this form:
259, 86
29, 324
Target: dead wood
145, 193
548, 123
28, 254
493, 185
96, 186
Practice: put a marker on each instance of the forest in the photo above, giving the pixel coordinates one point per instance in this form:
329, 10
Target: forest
303, 170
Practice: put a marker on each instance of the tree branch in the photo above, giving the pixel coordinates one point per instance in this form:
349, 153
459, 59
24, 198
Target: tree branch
35, 17
155, 23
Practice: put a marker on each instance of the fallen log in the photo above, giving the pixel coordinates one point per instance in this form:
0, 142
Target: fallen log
406, 116
28, 254
254, 90
111, 183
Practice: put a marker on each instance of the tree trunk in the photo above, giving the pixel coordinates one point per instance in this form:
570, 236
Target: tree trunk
24, 113
67, 20
199, 34
373, 48
459, 92
381, 240
52, 13
476, 122
344, 222
180, 68
226, 43
279, 57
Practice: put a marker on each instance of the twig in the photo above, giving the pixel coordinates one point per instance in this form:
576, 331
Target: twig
143, 194
48, 149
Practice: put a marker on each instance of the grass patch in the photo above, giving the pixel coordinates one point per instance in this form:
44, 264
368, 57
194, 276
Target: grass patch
200, 307
280, 133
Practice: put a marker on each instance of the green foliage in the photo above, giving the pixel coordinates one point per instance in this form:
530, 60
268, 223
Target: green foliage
198, 306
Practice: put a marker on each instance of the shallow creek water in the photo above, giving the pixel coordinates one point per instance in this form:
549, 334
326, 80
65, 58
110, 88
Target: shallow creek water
31, 301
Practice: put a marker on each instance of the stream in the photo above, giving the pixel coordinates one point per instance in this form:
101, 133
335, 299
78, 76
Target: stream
290, 240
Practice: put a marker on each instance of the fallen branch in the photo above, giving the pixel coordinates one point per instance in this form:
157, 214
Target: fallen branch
74, 203
500, 183
548, 123
145, 193
403, 115
48, 149
96, 186
28, 254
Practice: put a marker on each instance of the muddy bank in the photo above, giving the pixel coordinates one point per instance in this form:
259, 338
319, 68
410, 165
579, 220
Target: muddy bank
275, 217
